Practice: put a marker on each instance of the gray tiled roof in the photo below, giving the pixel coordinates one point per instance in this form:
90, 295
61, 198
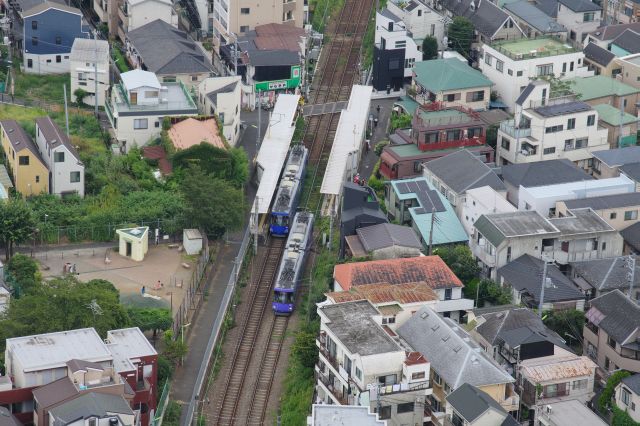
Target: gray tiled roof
616, 314
606, 274
499, 226
619, 156
598, 55
582, 221
54, 392
632, 171
470, 402
487, 18
213, 95
387, 235
581, 5
452, 353
609, 32
389, 15
633, 383
629, 41
19, 138
55, 136
525, 274
535, 17
497, 323
541, 173
92, 404
631, 235
606, 201
176, 54
549, 7
476, 172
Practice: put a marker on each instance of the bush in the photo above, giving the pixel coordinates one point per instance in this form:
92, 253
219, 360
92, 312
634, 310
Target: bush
400, 121
380, 146
604, 402
172, 414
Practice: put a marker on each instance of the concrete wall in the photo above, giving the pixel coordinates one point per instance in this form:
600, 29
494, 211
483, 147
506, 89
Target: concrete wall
83, 76
630, 71
473, 207
228, 105
616, 361
148, 11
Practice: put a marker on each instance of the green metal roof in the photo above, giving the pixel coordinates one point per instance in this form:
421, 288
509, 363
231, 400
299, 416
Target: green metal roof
407, 104
411, 150
599, 86
631, 140
611, 115
489, 231
441, 75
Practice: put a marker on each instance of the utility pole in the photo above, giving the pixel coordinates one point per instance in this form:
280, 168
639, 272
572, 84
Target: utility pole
621, 121
259, 123
95, 69
433, 219
66, 109
255, 224
630, 263
544, 284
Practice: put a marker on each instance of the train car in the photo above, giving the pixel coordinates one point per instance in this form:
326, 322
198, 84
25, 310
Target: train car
289, 190
292, 264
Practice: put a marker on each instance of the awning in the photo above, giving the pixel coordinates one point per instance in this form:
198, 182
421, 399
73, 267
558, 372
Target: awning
497, 105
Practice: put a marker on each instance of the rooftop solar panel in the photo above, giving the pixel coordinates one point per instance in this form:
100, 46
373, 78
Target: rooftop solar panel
402, 188
562, 109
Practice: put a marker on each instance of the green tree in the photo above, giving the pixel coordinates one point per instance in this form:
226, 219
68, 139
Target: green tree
24, 274
211, 203
429, 48
604, 402
174, 350
153, 319
461, 261
461, 34
490, 293
172, 414
569, 322
165, 372
304, 348
16, 224
230, 165
400, 121
80, 94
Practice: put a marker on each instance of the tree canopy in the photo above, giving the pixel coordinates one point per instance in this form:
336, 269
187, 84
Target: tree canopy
230, 165
488, 293
152, 319
16, 224
460, 35
461, 261
23, 275
429, 48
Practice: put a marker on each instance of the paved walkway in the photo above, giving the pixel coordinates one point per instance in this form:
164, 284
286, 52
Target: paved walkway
369, 159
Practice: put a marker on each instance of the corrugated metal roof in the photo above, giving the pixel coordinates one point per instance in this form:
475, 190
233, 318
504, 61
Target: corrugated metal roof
387, 293
349, 135
562, 365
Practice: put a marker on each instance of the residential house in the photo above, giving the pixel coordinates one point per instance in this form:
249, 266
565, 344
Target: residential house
125, 355
609, 163
627, 43
611, 119
360, 363
394, 52
480, 201
599, 89
619, 210
624, 11
322, 414
222, 96
415, 202
491, 23
383, 241
597, 277
629, 70
501, 237
579, 16
436, 131
539, 173
568, 412
424, 269
522, 277
23, 160
604, 35
66, 170
451, 82
421, 20
178, 57
627, 396
189, 132
93, 407
472, 407
533, 21
137, 106
455, 359
544, 199
512, 64
49, 31
5, 180
85, 58
444, 175
631, 236
600, 60
632, 171
359, 208
544, 130
611, 332
134, 14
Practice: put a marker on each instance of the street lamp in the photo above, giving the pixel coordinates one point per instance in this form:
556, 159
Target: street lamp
182, 327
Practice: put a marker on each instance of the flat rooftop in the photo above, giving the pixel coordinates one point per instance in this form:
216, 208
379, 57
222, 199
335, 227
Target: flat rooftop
526, 48
583, 221
173, 97
580, 188
127, 344
353, 324
444, 117
513, 224
572, 412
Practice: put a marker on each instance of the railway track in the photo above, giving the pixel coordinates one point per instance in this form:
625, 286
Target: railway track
260, 295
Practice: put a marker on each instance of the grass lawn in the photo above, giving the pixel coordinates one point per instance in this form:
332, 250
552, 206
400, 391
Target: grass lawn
47, 88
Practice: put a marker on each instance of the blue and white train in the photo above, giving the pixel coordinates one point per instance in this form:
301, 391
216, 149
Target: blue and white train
289, 190
292, 264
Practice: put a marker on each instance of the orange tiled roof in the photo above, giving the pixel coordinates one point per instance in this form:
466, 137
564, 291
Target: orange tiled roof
415, 358
190, 132
386, 293
428, 269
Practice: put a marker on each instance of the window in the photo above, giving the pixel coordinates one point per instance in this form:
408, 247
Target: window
571, 123
92, 421
551, 150
510, 72
579, 384
58, 40
417, 166
244, 28
589, 17
633, 406
385, 412
387, 380
571, 66
509, 254
409, 62
151, 94
23, 160
436, 378
406, 407
194, 78
591, 120
419, 375
546, 69
156, 124
611, 342
453, 135
604, 246
448, 293
419, 12
140, 123
34, 41
245, 10
568, 144
564, 67
433, 30
613, 215
401, 44
58, 59
487, 59
518, 73
37, 179
358, 373
625, 396
75, 177
474, 132
447, 388
554, 129
582, 143
58, 157
631, 215
477, 96
29, 63
450, 97
389, 320
499, 65
34, 25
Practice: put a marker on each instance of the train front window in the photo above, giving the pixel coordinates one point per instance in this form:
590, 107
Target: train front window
281, 220
281, 297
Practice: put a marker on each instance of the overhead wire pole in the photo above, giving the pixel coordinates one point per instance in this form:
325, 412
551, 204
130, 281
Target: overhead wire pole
66, 109
544, 284
630, 263
433, 219
95, 69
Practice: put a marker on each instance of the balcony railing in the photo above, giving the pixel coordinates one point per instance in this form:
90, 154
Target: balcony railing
458, 143
332, 360
562, 49
509, 128
404, 387
330, 385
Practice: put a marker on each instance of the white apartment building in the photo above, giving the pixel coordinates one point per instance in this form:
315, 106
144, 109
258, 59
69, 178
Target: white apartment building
362, 364
420, 20
512, 64
580, 17
483, 200
137, 106
545, 130
133, 14
66, 171
222, 96
84, 56
391, 34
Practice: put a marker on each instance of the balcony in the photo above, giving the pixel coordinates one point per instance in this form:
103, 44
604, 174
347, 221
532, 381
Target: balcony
511, 403
458, 143
405, 387
327, 355
454, 305
329, 386
509, 128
